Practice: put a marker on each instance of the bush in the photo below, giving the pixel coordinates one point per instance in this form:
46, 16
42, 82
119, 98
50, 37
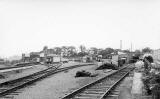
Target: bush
149, 58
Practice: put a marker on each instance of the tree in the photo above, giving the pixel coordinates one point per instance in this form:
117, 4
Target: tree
94, 49
72, 51
82, 48
82, 51
109, 50
57, 50
102, 52
126, 51
106, 52
81, 54
45, 48
149, 58
64, 50
99, 50
147, 50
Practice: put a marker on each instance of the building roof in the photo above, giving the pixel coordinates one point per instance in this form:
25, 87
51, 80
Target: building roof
27, 55
118, 53
54, 55
121, 53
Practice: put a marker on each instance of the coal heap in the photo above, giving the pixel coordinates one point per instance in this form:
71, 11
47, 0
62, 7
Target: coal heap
84, 73
107, 66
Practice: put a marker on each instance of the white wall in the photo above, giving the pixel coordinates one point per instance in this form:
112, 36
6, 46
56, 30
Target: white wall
156, 54
115, 59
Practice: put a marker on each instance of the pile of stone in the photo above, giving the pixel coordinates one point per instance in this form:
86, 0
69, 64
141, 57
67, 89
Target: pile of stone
2, 77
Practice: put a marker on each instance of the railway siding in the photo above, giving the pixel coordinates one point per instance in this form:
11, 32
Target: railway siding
58, 85
9, 86
10, 75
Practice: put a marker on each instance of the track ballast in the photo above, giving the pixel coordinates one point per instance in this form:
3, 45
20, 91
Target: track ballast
101, 88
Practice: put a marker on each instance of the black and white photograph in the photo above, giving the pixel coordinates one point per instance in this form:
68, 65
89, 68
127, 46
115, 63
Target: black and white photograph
80, 49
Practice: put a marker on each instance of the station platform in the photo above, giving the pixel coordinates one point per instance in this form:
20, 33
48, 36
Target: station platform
14, 69
137, 86
132, 87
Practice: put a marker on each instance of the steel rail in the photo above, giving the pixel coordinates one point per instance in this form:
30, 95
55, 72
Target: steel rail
113, 86
12, 85
82, 89
16, 80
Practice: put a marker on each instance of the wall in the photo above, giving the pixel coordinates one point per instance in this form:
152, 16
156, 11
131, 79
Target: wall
115, 59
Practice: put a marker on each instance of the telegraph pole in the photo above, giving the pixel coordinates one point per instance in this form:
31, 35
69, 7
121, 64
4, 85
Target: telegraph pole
131, 46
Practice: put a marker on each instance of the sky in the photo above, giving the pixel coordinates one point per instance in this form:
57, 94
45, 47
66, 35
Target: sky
28, 25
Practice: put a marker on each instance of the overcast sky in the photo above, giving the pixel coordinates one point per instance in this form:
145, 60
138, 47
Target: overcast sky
28, 25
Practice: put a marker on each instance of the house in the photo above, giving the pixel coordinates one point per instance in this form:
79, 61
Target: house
120, 57
87, 58
156, 54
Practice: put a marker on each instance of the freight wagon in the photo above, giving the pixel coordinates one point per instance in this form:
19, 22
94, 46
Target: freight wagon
55, 59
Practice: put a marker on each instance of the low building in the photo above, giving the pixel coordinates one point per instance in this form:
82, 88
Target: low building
42, 57
52, 58
156, 54
119, 57
35, 57
2, 61
87, 58
99, 58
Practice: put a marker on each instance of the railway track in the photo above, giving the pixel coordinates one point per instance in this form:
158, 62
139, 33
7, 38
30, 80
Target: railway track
102, 88
9, 87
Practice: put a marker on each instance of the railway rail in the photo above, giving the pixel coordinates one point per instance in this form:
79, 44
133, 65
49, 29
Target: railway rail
101, 88
12, 85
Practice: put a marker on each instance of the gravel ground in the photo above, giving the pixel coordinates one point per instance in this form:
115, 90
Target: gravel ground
13, 74
2, 66
71, 63
21, 73
58, 85
125, 91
